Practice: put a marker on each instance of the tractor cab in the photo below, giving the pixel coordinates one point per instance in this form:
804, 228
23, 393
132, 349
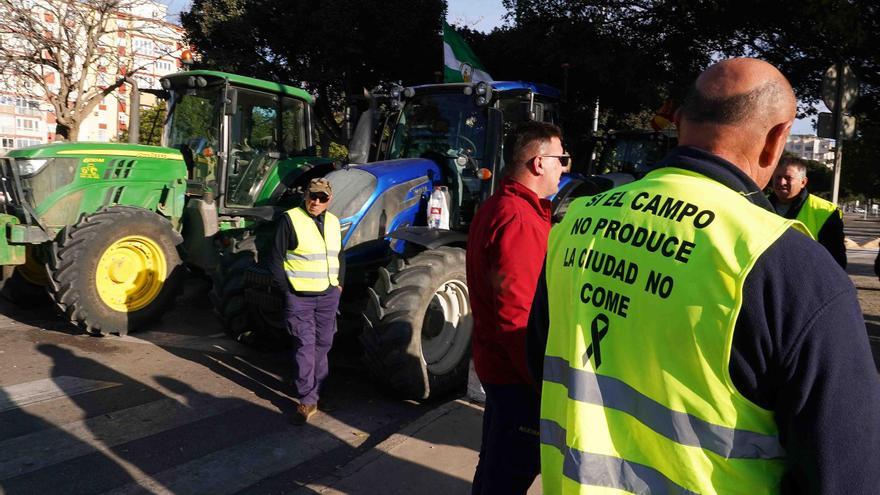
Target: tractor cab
459, 127
235, 134
633, 152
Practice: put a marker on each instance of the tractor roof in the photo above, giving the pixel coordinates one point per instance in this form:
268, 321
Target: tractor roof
537, 88
250, 82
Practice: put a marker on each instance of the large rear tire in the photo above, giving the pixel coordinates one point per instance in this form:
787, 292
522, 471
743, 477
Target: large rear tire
116, 270
418, 323
243, 320
227, 293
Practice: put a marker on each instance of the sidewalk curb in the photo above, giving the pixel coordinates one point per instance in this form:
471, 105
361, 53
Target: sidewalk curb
385, 447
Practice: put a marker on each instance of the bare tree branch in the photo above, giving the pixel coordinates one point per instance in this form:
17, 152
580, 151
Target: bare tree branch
67, 51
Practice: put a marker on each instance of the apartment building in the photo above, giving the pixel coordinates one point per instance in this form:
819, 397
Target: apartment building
150, 51
811, 147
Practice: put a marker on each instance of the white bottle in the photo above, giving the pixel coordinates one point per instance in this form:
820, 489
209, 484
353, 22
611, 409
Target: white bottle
438, 209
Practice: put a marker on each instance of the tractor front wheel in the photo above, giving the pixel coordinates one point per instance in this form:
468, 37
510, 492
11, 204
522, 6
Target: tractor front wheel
116, 270
418, 323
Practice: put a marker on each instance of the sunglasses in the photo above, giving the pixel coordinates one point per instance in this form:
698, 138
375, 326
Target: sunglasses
319, 197
564, 160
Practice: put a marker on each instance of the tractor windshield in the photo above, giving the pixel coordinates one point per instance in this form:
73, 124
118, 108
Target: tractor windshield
194, 129
634, 152
445, 124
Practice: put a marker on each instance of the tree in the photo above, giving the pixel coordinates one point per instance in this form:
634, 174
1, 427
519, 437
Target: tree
632, 55
66, 52
334, 48
151, 124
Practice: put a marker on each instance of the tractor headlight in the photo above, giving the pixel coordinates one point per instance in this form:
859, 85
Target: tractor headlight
483, 93
30, 166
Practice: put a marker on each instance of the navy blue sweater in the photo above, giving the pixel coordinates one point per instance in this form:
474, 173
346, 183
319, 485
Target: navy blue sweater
800, 349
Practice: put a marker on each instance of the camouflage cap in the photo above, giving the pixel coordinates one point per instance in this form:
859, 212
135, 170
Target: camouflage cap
320, 185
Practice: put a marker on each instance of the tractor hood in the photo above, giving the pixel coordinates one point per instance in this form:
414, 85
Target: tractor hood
62, 180
375, 199
81, 149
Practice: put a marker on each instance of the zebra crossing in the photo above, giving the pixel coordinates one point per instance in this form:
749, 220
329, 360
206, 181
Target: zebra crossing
169, 412
184, 443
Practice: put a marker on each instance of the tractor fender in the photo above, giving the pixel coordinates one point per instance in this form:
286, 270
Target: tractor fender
430, 238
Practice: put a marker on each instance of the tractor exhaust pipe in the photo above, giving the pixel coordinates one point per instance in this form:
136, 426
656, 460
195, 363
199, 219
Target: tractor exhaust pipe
134, 112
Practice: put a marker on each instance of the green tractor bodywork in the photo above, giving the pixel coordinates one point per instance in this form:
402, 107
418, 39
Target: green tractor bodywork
106, 227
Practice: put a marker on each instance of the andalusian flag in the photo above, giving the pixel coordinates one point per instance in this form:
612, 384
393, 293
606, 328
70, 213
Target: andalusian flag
460, 63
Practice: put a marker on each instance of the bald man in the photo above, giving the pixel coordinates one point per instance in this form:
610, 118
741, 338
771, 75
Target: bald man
681, 344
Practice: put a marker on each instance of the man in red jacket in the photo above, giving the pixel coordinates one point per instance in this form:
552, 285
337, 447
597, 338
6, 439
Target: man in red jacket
506, 248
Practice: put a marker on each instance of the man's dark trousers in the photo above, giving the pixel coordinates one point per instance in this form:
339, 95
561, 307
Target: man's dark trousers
510, 457
311, 323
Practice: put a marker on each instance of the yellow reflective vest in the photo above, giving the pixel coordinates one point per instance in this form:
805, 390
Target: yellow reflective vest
815, 212
645, 284
314, 265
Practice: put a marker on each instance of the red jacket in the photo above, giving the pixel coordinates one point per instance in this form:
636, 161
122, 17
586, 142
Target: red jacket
506, 248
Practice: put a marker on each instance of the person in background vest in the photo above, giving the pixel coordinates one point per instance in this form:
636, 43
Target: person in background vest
306, 261
506, 246
691, 340
822, 218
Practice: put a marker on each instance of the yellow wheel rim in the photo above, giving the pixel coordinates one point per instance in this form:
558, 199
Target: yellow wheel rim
131, 273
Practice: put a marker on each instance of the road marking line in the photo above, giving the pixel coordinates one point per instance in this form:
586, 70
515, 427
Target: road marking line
206, 343
27, 453
231, 470
24, 394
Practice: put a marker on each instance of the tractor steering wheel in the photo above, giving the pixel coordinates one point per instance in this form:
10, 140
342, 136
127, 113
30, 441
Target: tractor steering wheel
473, 146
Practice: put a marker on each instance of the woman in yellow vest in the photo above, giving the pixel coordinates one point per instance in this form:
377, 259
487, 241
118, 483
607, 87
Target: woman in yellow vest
678, 351
822, 218
306, 260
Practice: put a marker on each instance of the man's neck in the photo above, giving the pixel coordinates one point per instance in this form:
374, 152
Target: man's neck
526, 180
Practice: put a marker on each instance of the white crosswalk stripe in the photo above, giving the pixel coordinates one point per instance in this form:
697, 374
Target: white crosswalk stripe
28, 453
23, 394
35, 457
234, 469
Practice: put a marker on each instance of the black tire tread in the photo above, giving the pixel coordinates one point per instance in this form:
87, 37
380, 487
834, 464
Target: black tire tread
227, 292
391, 336
65, 260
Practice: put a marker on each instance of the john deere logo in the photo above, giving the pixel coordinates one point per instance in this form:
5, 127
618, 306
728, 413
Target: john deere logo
467, 71
88, 171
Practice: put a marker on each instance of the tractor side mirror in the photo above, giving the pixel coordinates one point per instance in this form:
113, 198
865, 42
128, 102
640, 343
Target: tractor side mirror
230, 101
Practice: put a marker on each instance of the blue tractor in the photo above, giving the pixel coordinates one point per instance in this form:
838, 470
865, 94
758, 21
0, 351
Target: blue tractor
406, 293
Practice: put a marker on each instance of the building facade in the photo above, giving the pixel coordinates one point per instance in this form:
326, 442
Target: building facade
811, 148
141, 41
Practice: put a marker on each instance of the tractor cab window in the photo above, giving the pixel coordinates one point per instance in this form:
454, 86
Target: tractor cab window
634, 153
254, 146
450, 129
444, 124
521, 108
293, 127
194, 129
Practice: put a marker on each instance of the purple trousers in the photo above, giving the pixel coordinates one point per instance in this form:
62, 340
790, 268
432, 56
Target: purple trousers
311, 323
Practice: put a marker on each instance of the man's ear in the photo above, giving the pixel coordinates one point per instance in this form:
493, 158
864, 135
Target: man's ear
536, 165
774, 144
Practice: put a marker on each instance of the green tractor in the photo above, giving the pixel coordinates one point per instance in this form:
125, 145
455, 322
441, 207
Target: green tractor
105, 229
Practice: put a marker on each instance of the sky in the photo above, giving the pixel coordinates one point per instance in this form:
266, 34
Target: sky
481, 15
